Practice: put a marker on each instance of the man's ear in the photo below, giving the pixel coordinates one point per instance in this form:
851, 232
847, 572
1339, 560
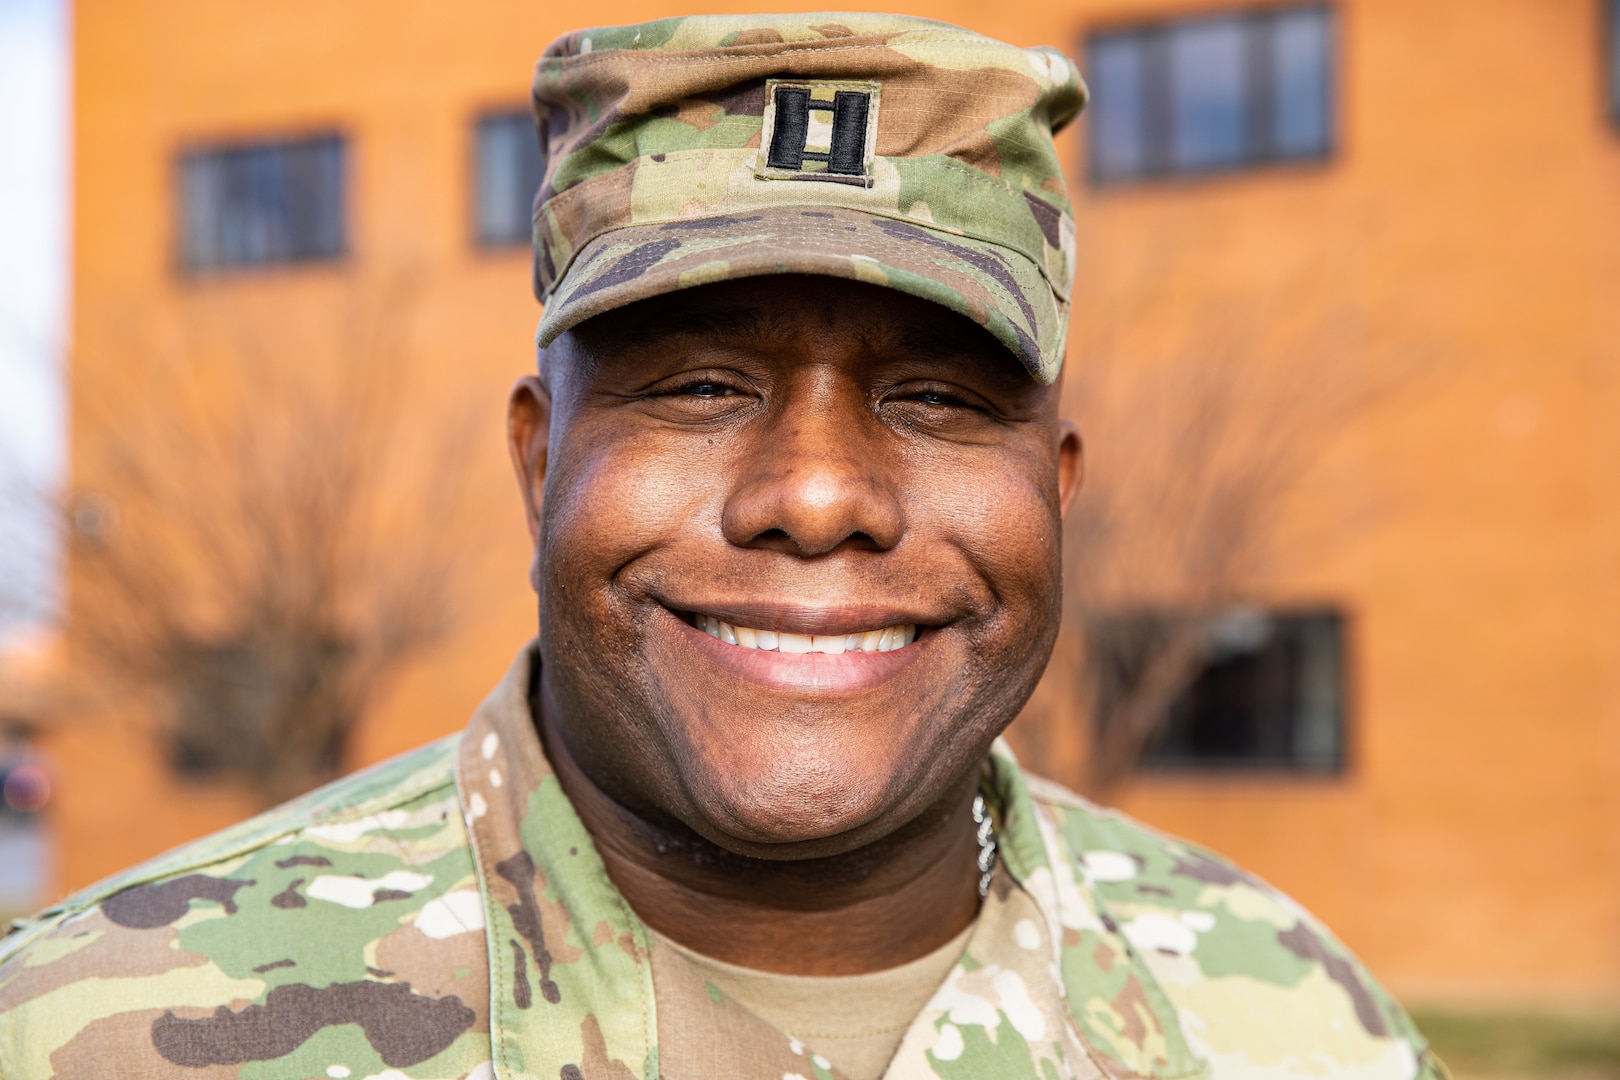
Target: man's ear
1071, 462
528, 431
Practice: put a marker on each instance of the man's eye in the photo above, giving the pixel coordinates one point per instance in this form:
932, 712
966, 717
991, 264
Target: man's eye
703, 390
940, 398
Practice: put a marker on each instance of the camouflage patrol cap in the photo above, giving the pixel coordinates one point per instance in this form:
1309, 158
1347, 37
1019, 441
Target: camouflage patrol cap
883, 148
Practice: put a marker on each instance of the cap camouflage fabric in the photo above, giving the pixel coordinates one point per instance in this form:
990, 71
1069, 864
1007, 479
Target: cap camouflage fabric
882, 148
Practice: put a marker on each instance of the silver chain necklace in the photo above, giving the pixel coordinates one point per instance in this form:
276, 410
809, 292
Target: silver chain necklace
987, 844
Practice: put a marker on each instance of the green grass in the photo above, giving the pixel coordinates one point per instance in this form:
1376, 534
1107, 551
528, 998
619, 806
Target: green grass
1550, 1045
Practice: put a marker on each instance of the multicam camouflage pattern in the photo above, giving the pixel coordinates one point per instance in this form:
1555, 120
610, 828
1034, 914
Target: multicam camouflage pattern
659, 172
330, 935
447, 916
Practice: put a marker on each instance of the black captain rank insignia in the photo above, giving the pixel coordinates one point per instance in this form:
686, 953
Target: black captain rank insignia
818, 129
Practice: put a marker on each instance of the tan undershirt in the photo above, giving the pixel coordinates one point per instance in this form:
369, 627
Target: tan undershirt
854, 1021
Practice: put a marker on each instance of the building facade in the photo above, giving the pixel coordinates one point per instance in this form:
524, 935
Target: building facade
1412, 720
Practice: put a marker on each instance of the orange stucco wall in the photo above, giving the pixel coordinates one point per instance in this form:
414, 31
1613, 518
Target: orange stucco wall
1468, 218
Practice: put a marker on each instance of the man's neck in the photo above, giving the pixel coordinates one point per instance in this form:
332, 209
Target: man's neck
877, 907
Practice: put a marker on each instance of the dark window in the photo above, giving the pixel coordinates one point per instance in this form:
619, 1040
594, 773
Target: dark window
1211, 93
509, 170
259, 204
1265, 689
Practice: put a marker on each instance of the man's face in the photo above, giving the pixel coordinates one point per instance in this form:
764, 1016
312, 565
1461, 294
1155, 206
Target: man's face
805, 462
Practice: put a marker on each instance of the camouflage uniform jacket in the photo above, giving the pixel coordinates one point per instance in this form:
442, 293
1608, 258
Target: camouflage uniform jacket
446, 915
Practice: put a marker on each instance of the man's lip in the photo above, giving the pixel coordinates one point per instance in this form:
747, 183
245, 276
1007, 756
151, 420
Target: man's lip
808, 619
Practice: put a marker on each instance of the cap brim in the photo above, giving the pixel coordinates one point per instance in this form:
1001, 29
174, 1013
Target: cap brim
999, 289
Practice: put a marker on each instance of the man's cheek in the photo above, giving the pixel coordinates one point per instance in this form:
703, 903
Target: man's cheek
1010, 522
617, 501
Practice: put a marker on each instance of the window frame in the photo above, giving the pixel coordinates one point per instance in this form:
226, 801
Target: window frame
481, 242
1342, 762
1154, 37
243, 143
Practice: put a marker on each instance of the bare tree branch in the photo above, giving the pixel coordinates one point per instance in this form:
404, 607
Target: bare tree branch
1199, 433
264, 533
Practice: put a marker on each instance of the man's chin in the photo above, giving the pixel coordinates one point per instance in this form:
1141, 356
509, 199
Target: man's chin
799, 805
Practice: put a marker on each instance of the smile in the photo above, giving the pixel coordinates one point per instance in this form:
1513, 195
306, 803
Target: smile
882, 639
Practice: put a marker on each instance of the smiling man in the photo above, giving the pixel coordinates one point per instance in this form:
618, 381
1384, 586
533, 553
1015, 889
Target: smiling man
795, 475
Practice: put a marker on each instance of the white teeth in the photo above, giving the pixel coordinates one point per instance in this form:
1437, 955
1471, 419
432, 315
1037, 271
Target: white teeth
796, 643
886, 639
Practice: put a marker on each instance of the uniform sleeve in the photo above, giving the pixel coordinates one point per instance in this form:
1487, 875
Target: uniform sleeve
351, 944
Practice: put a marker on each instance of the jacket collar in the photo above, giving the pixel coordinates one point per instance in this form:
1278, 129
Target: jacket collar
570, 979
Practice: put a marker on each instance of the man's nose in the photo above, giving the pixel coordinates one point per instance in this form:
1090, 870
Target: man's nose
817, 480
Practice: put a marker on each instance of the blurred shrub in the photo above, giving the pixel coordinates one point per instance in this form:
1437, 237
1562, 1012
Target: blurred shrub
1550, 1045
